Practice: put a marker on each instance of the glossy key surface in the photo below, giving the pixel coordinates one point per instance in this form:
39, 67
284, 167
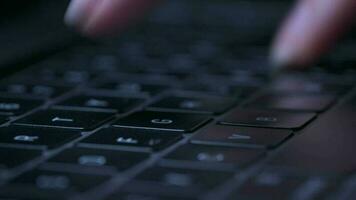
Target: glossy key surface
206, 155
296, 102
267, 118
169, 121
241, 136
17, 106
110, 103
36, 136
199, 104
14, 157
99, 158
116, 137
176, 182
82, 120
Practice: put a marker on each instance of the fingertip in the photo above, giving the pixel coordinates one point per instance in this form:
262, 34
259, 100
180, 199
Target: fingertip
113, 16
310, 30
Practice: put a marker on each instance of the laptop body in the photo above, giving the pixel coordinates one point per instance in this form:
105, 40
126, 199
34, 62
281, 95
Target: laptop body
181, 106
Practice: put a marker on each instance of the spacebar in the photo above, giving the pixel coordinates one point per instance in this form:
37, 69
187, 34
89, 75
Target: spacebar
327, 146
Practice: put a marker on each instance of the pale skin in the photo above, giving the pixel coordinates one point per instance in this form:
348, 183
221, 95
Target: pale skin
310, 29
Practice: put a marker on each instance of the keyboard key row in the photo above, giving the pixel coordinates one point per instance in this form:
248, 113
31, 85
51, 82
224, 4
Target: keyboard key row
169, 121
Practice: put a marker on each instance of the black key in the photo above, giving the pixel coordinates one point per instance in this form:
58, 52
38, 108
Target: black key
17, 106
235, 157
179, 122
130, 87
3, 119
36, 136
166, 181
83, 120
241, 136
199, 104
201, 87
109, 103
65, 76
133, 137
299, 85
95, 158
267, 118
51, 181
137, 196
11, 157
36, 90
243, 91
11, 192
298, 102
272, 185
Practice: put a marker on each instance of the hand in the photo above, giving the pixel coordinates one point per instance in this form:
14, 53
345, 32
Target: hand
312, 27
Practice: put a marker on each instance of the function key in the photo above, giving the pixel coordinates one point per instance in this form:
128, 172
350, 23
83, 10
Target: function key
195, 104
36, 136
224, 156
169, 121
99, 158
267, 118
108, 103
115, 137
241, 136
11, 157
297, 102
81, 120
17, 106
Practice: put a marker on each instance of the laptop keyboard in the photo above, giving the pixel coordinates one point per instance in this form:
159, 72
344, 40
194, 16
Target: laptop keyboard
169, 111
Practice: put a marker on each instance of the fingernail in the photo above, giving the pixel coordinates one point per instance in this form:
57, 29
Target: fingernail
76, 12
290, 43
281, 57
